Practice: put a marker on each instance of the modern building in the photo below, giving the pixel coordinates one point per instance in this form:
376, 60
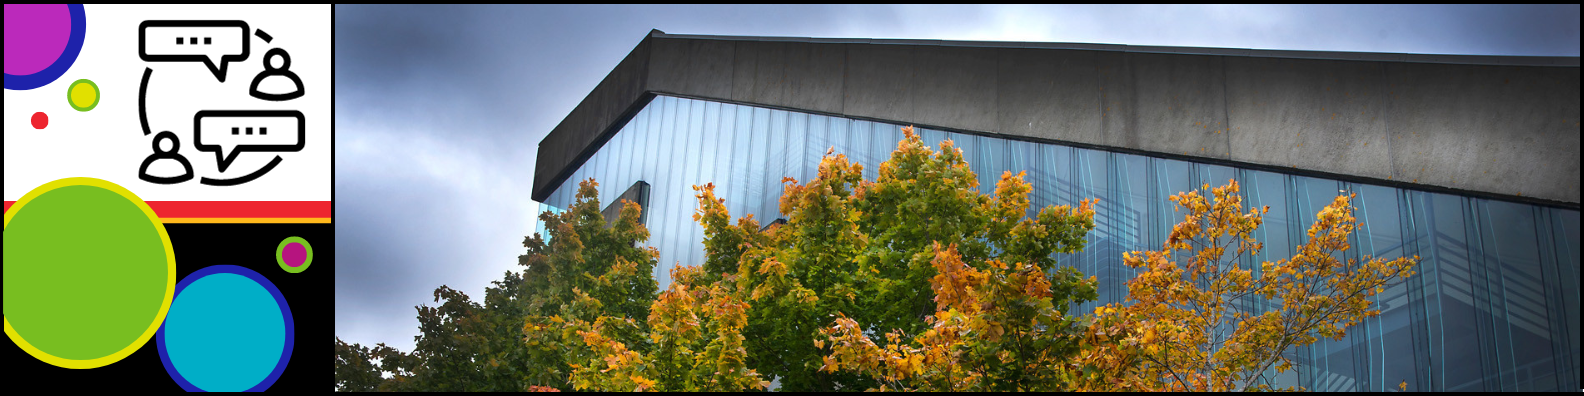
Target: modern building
1469, 162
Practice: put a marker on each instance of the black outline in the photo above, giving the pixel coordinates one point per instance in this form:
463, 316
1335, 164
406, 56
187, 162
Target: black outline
143, 100
225, 159
218, 70
284, 71
244, 179
161, 154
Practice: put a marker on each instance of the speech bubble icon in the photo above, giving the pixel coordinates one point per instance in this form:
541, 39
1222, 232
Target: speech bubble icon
214, 43
231, 132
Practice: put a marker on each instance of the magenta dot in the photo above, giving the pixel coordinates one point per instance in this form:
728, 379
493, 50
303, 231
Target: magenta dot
35, 35
294, 255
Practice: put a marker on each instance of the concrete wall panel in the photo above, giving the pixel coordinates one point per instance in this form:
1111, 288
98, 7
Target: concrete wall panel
1507, 130
1180, 105
1118, 99
814, 77
878, 81
1309, 114
697, 67
759, 72
1467, 124
955, 87
1048, 94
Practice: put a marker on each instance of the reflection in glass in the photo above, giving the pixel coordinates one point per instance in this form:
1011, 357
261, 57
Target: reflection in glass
1495, 306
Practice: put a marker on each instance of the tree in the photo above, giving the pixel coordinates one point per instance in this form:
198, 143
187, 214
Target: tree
586, 271
696, 333
355, 371
1189, 322
870, 249
618, 336
996, 326
1001, 329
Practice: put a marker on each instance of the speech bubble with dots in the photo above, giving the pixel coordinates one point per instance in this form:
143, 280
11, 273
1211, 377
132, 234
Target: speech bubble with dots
230, 132
214, 43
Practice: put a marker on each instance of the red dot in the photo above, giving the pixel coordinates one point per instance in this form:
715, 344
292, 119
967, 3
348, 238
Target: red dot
40, 120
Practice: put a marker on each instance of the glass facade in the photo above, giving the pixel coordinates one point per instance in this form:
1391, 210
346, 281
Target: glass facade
1495, 306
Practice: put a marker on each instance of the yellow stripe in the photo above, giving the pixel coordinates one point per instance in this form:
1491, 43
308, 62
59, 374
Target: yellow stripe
319, 220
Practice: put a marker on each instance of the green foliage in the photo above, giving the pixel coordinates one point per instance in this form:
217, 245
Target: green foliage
587, 272
916, 281
866, 250
355, 371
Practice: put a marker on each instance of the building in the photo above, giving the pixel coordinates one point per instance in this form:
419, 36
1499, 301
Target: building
1470, 162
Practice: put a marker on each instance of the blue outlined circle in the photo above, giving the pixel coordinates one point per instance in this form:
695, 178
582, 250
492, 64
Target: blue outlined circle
217, 284
68, 56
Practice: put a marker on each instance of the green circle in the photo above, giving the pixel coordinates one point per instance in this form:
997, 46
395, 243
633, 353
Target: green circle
307, 259
93, 91
89, 273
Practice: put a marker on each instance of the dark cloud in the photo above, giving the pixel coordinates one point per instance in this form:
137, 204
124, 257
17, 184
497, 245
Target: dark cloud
439, 109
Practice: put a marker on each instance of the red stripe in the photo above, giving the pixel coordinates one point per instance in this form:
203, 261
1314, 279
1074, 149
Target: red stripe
236, 209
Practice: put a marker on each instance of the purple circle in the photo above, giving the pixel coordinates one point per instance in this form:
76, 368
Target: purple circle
35, 36
294, 254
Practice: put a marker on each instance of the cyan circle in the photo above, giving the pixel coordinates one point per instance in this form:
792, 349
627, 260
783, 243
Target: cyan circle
229, 330
79, 28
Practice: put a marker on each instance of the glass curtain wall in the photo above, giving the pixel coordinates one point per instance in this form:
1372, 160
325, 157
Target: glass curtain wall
1495, 306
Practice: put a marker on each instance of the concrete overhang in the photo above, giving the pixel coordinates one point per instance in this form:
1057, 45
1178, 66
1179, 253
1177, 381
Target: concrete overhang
1502, 127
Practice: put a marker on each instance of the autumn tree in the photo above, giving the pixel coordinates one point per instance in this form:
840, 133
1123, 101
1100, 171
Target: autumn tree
695, 333
612, 333
1189, 323
998, 326
586, 271
866, 251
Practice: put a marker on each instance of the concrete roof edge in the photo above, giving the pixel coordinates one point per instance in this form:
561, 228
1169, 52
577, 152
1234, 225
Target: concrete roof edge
1497, 60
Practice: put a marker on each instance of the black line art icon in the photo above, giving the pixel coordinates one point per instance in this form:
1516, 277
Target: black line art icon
233, 47
226, 133
278, 73
220, 128
166, 155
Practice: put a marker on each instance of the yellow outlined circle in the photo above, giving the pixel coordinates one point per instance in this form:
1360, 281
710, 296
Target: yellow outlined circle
170, 276
83, 95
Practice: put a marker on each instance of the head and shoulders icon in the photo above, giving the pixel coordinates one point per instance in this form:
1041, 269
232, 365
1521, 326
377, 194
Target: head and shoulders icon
282, 73
169, 156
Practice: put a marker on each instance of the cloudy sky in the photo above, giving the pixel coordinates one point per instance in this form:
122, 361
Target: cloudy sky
439, 110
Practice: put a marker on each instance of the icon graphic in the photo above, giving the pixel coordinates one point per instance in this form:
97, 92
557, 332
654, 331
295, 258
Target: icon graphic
225, 129
278, 73
175, 144
227, 133
212, 42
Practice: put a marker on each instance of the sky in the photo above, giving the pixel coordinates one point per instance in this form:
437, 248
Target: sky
439, 109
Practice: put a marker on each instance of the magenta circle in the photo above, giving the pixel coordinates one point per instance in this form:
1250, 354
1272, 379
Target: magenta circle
294, 254
35, 36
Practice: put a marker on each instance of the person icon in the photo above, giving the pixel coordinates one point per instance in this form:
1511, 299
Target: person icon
277, 74
187, 171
